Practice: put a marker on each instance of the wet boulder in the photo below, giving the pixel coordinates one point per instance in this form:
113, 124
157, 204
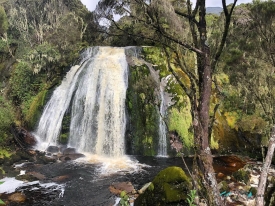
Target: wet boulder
69, 151
53, 149
45, 160
71, 157
171, 185
17, 197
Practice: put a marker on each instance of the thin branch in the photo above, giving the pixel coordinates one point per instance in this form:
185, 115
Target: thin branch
226, 30
185, 89
189, 17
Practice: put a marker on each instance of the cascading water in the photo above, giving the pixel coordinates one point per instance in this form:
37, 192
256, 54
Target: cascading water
162, 147
96, 92
165, 100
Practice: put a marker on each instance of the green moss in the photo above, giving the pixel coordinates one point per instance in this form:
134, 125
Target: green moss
170, 174
151, 187
241, 176
181, 121
142, 112
223, 137
2, 171
33, 113
5, 153
171, 185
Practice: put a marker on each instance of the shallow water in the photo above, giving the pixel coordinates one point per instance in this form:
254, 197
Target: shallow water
86, 181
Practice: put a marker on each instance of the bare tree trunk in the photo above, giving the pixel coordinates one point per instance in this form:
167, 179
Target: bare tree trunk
266, 165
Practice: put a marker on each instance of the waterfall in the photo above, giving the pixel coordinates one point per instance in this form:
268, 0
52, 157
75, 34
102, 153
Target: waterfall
94, 94
162, 146
165, 100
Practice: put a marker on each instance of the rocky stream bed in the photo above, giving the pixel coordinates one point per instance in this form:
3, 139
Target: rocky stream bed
57, 177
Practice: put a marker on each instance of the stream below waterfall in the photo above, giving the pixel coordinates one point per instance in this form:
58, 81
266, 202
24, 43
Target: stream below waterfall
80, 183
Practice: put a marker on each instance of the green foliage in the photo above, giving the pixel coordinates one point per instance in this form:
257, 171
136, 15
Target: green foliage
5, 153
20, 82
124, 201
242, 175
191, 198
141, 104
156, 56
63, 138
3, 21
253, 124
44, 56
224, 187
6, 118
1, 202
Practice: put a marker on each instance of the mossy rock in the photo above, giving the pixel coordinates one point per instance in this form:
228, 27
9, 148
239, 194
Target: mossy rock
24, 155
169, 187
15, 158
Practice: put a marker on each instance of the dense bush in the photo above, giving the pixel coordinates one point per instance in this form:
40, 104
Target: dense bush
6, 118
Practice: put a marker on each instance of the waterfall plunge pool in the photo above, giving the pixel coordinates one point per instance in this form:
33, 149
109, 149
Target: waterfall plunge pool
86, 181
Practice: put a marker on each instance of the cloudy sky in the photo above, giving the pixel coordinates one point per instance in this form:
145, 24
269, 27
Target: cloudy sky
91, 4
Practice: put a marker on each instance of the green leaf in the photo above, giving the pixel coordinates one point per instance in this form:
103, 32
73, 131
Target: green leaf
126, 197
122, 201
122, 194
1, 183
1, 202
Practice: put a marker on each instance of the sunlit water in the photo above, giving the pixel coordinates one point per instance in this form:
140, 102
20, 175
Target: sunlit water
107, 166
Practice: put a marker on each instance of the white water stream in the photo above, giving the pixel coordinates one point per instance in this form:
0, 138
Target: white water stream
96, 92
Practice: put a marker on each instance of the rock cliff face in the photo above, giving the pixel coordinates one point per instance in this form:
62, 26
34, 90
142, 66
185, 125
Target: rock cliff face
148, 69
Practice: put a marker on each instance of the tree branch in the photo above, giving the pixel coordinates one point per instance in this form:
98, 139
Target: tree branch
226, 30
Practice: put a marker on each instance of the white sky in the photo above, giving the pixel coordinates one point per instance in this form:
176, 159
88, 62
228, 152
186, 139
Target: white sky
91, 4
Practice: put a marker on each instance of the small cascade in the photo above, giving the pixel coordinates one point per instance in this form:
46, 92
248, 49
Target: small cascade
94, 94
162, 146
165, 100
